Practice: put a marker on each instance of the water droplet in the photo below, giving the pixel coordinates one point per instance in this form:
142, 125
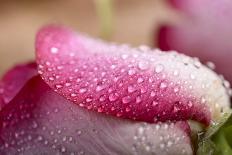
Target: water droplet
124, 56
131, 89
67, 84
82, 90
203, 100
131, 72
138, 99
190, 104
159, 68
176, 89
128, 109
89, 99
152, 94
211, 65
58, 86
163, 85
79, 132
113, 97
63, 149
140, 80
59, 67
176, 73
54, 50
155, 103
102, 98
126, 99
143, 90
192, 76
143, 65
40, 138
73, 95
99, 88
51, 78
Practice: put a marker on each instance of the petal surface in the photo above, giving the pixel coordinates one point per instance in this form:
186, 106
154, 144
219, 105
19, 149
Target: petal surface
39, 121
14, 80
136, 83
204, 32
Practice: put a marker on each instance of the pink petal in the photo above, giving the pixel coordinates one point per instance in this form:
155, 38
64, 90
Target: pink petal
205, 32
135, 83
39, 121
13, 81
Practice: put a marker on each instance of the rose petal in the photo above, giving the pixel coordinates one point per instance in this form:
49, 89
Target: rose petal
39, 121
13, 81
140, 84
204, 33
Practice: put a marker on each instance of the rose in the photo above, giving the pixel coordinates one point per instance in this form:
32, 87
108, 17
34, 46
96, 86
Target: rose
204, 32
93, 97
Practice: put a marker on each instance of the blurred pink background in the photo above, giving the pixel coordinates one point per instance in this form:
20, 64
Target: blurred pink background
134, 22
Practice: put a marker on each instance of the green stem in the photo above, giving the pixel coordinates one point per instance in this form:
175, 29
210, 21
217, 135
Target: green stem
104, 10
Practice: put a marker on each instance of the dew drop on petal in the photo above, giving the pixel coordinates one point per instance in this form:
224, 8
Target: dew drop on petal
159, 68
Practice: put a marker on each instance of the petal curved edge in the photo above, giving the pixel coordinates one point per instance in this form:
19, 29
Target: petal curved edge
135, 83
39, 121
204, 33
14, 80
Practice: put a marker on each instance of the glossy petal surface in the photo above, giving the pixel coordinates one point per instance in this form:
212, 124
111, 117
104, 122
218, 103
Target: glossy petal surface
136, 83
39, 121
14, 80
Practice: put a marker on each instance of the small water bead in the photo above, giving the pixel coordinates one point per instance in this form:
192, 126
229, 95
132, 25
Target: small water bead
192, 76
190, 104
143, 65
131, 72
159, 68
162, 146
82, 90
102, 98
163, 85
176, 73
79, 132
113, 97
113, 66
68, 84
176, 89
138, 99
89, 99
58, 86
51, 78
203, 100
131, 89
99, 88
140, 80
211, 65
59, 67
73, 95
126, 99
47, 63
40, 138
128, 109
124, 56
63, 149
155, 103
143, 90
169, 144
152, 94
40, 72
54, 50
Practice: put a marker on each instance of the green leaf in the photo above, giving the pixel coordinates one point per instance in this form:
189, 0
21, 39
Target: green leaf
218, 138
